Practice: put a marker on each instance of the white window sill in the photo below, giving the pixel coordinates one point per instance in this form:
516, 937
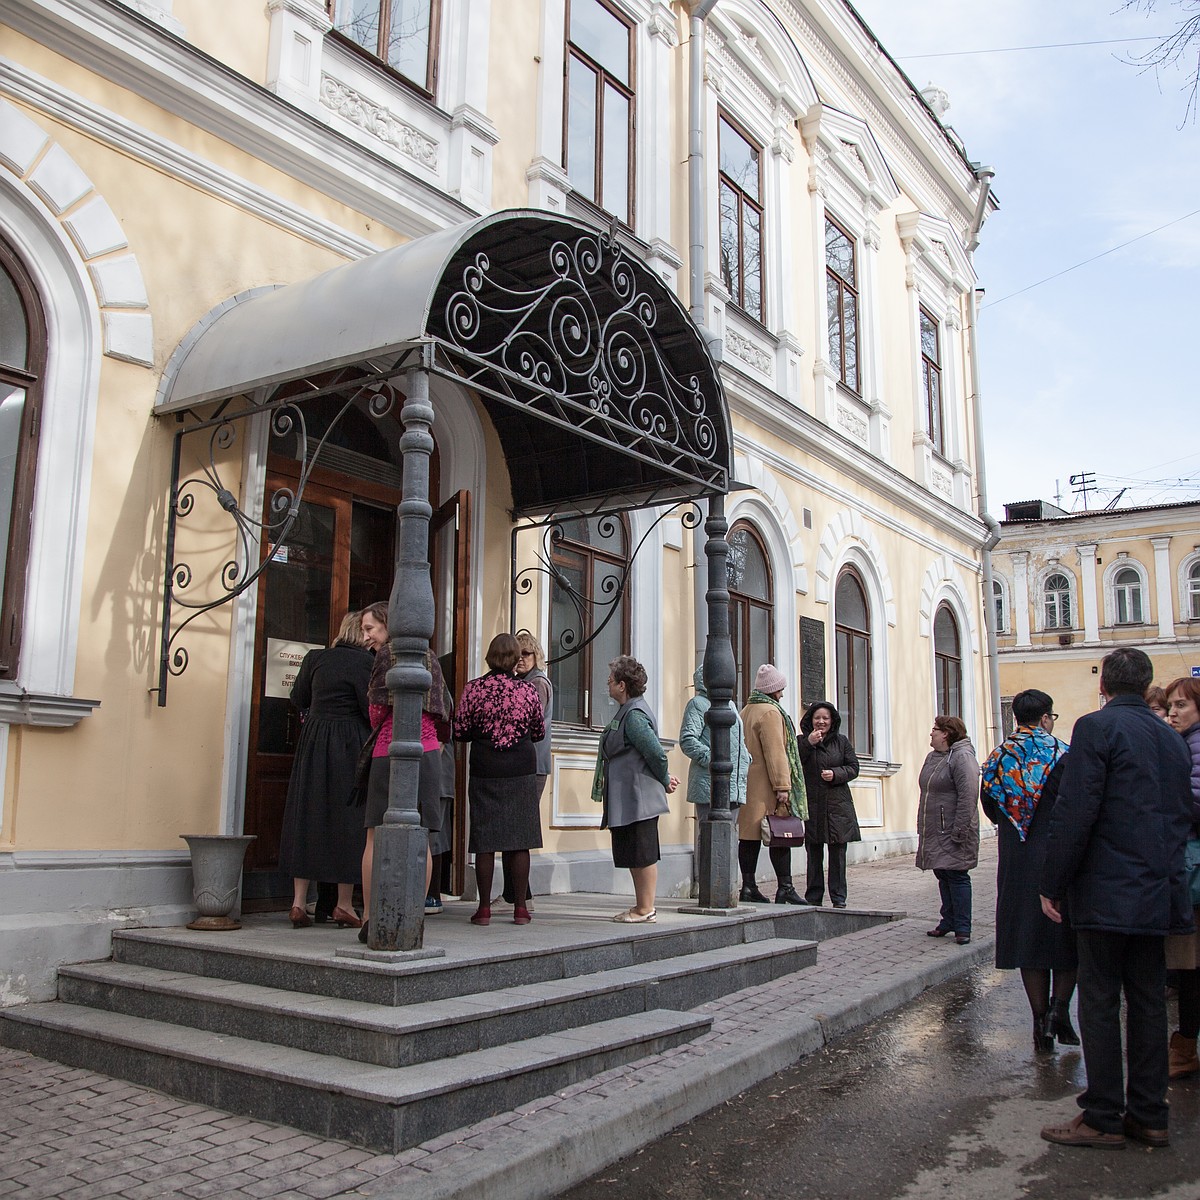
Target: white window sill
19, 707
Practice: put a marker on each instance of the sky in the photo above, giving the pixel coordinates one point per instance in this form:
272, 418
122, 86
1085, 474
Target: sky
1094, 371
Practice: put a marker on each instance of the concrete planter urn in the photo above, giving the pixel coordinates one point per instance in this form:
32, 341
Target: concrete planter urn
216, 876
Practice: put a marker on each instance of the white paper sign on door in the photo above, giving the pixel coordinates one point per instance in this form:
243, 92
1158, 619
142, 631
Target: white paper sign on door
283, 665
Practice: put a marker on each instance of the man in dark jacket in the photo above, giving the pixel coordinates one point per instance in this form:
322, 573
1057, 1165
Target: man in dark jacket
1115, 852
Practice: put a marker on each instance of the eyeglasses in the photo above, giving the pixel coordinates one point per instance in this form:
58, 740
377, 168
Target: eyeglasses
527, 654
1053, 716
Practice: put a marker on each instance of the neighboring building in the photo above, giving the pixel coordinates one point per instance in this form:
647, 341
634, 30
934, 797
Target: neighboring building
170, 172
1071, 586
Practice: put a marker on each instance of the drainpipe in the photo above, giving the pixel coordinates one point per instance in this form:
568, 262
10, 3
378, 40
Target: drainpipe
984, 175
696, 231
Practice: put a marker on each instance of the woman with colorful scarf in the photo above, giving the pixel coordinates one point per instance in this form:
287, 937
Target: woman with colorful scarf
774, 785
1018, 790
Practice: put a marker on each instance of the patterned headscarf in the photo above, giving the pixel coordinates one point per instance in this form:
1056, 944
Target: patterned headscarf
1016, 771
797, 797
437, 701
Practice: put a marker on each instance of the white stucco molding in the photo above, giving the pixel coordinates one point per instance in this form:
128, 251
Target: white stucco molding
943, 578
849, 529
1124, 562
770, 498
1187, 565
65, 193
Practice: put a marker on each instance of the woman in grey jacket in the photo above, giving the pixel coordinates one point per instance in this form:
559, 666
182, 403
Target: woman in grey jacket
948, 823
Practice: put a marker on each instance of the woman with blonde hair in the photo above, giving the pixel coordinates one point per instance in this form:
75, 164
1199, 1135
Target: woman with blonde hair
322, 837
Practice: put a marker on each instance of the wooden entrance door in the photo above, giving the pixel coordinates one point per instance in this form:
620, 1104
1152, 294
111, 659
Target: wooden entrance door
340, 555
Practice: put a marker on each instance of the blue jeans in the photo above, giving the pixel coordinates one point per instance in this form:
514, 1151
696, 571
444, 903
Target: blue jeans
955, 887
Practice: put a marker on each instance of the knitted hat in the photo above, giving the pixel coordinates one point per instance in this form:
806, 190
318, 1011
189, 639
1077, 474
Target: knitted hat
769, 680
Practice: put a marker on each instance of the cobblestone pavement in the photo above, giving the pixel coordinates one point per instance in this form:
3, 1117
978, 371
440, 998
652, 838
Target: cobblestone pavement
73, 1133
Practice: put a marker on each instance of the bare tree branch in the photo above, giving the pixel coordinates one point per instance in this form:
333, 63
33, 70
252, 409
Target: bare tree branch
1175, 50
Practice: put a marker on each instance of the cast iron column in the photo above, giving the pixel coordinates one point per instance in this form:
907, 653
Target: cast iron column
401, 844
717, 831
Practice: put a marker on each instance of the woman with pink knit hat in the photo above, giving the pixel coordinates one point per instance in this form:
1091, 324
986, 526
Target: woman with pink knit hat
774, 786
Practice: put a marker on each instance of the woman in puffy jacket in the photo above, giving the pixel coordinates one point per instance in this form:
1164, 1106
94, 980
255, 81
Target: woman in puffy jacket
829, 764
948, 822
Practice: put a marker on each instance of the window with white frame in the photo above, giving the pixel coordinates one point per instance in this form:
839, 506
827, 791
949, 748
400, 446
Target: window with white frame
1000, 602
841, 300
741, 230
1193, 591
1127, 597
931, 379
598, 146
401, 33
1056, 601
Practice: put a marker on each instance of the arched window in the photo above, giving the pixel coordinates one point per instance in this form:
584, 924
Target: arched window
1056, 593
947, 659
1000, 601
852, 624
22, 366
1194, 591
591, 558
751, 608
1127, 594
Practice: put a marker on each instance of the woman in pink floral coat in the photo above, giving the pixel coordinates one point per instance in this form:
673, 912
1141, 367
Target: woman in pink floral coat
501, 716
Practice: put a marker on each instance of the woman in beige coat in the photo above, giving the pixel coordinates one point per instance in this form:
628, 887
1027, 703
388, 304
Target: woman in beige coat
775, 785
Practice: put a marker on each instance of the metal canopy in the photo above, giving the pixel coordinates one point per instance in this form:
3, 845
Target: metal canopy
599, 385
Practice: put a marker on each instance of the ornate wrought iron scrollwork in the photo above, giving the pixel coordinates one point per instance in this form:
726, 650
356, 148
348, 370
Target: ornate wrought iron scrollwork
593, 613
239, 572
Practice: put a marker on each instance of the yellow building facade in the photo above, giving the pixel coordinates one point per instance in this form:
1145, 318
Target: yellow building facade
1069, 587
163, 164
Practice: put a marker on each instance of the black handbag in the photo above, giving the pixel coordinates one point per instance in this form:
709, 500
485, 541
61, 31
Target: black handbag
783, 831
362, 769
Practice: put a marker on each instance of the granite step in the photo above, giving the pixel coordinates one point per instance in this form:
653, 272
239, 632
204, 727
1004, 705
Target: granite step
396, 1036
383, 1108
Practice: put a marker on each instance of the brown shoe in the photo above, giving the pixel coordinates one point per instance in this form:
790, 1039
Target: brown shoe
1181, 1057
1078, 1134
1148, 1137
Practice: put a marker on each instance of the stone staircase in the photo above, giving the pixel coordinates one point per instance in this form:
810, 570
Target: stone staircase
388, 1054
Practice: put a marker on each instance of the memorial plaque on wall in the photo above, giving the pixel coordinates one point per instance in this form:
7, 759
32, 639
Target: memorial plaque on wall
812, 661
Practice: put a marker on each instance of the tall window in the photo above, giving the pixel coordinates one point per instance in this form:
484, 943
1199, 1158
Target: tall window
751, 609
1001, 606
22, 365
947, 660
931, 381
841, 299
1194, 592
1127, 592
741, 218
590, 558
403, 33
852, 631
1057, 596
598, 147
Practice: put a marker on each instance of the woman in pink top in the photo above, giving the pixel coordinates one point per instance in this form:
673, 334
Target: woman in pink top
435, 729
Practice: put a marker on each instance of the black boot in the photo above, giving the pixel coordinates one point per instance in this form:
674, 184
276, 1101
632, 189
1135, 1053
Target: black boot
751, 895
1043, 1038
1060, 1024
786, 894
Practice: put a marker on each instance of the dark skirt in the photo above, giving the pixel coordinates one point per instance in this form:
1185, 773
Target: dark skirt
1025, 936
322, 835
504, 814
636, 845
429, 788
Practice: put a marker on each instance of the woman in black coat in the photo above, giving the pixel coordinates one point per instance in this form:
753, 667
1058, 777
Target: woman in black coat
322, 837
829, 764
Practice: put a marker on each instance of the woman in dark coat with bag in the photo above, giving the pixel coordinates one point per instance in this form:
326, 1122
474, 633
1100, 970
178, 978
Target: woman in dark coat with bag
829, 764
948, 823
1018, 791
322, 837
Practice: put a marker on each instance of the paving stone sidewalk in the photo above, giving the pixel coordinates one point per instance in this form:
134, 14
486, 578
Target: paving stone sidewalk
73, 1133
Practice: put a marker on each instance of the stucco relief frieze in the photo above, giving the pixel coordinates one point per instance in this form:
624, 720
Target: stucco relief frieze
379, 121
942, 483
748, 351
853, 423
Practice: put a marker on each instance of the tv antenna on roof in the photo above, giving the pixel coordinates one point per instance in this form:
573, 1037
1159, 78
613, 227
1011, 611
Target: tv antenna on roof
1082, 483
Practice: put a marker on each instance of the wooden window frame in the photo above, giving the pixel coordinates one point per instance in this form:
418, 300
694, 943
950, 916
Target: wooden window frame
931, 379
745, 602
603, 78
591, 555
945, 665
737, 288
852, 635
29, 378
844, 287
378, 56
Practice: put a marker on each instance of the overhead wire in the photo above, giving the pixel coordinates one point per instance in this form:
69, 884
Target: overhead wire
1014, 49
